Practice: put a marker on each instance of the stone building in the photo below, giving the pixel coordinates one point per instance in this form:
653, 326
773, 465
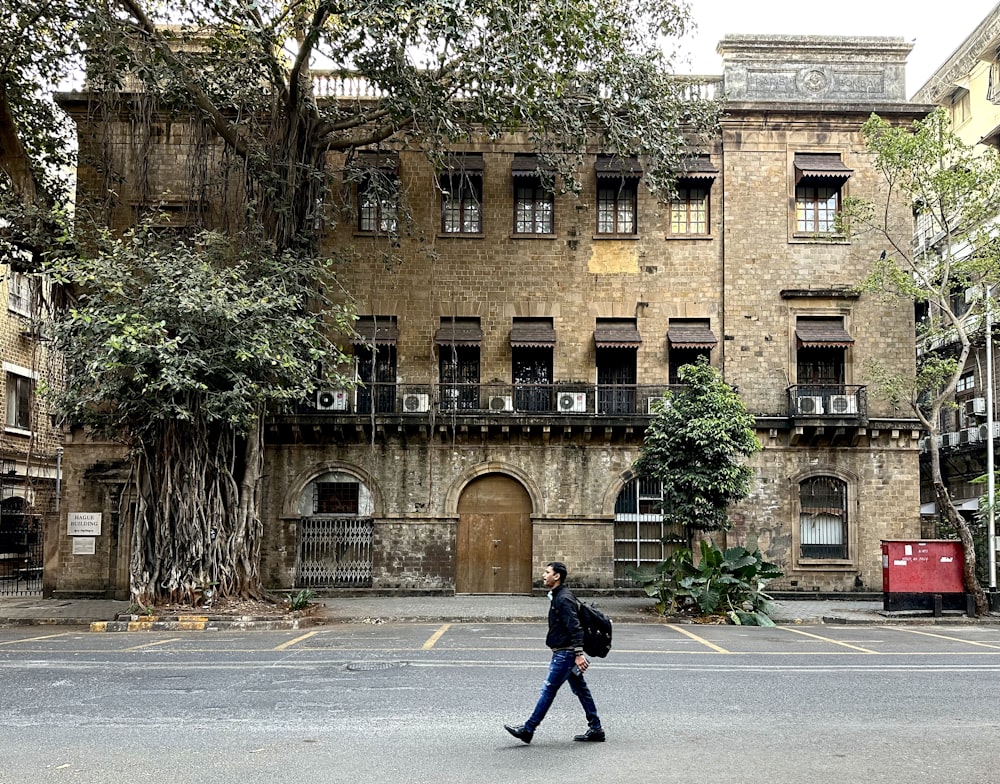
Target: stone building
30, 443
509, 359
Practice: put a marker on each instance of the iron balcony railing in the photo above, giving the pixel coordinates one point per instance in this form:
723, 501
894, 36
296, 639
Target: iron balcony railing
490, 399
827, 401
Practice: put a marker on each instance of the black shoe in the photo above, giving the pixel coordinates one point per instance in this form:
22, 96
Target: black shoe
591, 735
522, 733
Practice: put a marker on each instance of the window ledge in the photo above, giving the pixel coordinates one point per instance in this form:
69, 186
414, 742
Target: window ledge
460, 235
837, 239
516, 236
632, 237
374, 235
10, 430
838, 564
673, 237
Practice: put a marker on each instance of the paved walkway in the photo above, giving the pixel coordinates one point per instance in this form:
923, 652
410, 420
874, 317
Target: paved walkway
29, 610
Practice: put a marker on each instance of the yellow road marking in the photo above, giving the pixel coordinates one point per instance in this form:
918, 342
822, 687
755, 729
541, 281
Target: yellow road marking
432, 640
296, 641
702, 640
150, 644
33, 639
946, 637
827, 639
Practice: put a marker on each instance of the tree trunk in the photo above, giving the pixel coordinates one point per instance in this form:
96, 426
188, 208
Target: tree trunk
946, 507
197, 527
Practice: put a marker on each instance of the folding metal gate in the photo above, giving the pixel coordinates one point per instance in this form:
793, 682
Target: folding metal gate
20, 554
335, 552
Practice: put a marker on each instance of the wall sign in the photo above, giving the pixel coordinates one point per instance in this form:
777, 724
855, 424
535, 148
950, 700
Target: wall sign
83, 524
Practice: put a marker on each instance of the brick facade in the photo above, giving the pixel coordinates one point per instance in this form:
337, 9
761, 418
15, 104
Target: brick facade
750, 279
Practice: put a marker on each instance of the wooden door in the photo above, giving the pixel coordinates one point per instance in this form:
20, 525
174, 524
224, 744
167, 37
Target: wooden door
494, 537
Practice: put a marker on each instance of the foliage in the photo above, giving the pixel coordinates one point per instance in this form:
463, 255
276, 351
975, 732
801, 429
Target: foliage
696, 445
178, 351
300, 599
729, 582
955, 189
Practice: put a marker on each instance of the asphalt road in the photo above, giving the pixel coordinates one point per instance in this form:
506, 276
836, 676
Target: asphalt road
415, 703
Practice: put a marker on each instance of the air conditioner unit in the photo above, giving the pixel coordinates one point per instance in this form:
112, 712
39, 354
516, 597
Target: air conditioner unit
925, 444
842, 404
572, 402
971, 435
332, 400
975, 407
656, 404
984, 431
809, 405
414, 403
501, 403
952, 439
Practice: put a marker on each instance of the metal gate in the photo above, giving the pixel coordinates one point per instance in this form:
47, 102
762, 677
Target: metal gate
335, 552
20, 554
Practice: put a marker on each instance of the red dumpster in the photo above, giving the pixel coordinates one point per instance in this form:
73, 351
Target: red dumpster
915, 572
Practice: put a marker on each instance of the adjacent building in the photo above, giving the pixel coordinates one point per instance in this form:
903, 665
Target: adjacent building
509, 355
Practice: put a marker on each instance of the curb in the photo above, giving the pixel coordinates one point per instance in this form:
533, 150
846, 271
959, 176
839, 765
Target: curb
201, 623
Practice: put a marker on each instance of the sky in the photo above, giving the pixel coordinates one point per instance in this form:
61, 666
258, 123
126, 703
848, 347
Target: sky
936, 30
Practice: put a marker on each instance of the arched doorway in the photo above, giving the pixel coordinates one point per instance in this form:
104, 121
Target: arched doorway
494, 537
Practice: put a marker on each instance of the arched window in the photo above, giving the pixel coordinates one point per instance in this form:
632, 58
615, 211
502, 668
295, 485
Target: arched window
336, 530
823, 518
641, 537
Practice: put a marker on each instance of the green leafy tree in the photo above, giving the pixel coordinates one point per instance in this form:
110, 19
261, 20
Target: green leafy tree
956, 189
697, 445
261, 84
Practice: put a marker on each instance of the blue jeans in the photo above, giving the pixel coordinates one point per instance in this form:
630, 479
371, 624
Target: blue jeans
560, 671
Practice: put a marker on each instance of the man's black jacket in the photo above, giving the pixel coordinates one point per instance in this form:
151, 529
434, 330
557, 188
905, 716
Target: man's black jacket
565, 631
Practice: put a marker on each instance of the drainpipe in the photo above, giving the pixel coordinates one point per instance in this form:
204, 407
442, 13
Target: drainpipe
59, 457
990, 466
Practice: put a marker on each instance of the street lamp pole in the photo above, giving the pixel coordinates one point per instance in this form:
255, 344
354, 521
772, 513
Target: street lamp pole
990, 470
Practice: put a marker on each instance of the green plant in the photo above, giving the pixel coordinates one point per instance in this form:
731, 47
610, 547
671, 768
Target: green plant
300, 600
723, 582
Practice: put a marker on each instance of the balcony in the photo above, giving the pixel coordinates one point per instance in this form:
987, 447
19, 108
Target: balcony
487, 400
827, 403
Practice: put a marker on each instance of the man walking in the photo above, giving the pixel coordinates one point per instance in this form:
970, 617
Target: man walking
565, 638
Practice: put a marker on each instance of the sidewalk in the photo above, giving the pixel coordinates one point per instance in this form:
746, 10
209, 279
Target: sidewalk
30, 610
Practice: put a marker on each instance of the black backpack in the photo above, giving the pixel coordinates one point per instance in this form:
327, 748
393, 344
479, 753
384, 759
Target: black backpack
596, 630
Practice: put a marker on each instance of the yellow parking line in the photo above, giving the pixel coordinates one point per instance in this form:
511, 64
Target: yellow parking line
946, 637
827, 639
33, 639
432, 640
150, 644
296, 641
702, 640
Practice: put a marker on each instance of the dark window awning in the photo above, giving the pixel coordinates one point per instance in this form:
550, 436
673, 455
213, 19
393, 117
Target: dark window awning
992, 139
691, 335
469, 163
617, 335
529, 166
613, 166
383, 332
822, 334
699, 167
459, 333
820, 166
532, 334
385, 161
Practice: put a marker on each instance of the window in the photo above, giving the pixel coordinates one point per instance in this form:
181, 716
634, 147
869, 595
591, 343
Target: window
966, 383
20, 391
642, 539
377, 175
823, 521
19, 299
819, 180
617, 195
375, 354
617, 342
533, 202
458, 341
689, 210
462, 196
687, 340
821, 346
961, 107
531, 345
